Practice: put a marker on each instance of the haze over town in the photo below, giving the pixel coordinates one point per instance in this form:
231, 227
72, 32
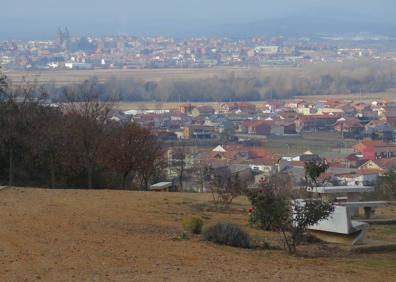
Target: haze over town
37, 19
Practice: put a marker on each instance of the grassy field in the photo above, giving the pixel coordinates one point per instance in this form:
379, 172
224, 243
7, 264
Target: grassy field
69, 235
62, 77
158, 105
364, 97
315, 142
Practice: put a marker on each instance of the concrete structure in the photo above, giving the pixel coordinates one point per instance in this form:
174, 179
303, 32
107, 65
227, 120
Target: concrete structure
353, 193
368, 206
360, 178
161, 186
341, 226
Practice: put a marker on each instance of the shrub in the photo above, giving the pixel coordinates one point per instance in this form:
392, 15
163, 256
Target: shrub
193, 224
225, 189
270, 202
275, 209
227, 234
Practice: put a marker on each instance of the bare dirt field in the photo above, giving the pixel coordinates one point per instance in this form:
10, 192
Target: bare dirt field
69, 235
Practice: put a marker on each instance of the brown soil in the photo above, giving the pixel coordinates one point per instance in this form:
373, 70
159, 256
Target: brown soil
65, 235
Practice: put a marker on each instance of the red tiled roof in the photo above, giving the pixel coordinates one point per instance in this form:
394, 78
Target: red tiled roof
373, 143
386, 163
350, 122
263, 161
234, 147
332, 103
261, 153
231, 151
368, 171
368, 143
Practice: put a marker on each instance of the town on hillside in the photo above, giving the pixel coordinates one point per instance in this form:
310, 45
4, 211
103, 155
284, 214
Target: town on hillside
255, 140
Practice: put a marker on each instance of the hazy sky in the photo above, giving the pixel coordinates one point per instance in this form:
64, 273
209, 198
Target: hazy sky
39, 18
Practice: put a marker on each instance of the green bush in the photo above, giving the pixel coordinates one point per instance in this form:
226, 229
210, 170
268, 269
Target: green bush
227, 234
193, 224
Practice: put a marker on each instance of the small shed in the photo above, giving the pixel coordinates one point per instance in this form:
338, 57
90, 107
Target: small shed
161, 187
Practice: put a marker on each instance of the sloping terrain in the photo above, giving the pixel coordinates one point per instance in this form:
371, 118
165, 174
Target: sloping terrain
65, 235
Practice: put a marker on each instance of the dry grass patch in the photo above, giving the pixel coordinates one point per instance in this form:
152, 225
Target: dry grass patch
63, 235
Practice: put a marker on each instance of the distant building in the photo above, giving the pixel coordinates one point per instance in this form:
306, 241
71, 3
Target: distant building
199, 132
239, 106
78, 66
186, 108
255, 127
316, 122
350, 125
375, 150
62, 39
267, 50
202, 111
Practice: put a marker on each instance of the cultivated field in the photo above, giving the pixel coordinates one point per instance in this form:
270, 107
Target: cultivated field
81, 235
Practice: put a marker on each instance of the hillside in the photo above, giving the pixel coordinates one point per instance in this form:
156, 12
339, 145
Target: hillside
63, 235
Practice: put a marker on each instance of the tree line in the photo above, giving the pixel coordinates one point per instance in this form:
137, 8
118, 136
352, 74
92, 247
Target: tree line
370, 77
73, 144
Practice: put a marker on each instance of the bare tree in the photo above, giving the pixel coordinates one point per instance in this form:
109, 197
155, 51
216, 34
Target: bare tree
201, 172
84, 105
225, 187
123, 151
151, 160
18, 105
48, 144
179, 161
